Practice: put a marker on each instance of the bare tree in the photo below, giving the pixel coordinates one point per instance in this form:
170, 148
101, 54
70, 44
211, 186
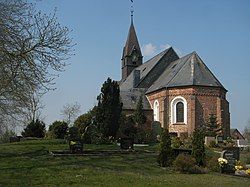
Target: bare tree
33, 50
70, 112
247, 131
33, 108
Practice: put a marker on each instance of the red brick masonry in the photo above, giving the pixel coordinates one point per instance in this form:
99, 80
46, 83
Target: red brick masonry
201, 101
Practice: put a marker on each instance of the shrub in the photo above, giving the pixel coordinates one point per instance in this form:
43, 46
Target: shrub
213, 144
59, 129
187, 143
198, 147
92, 135
49, 135
198, 170
165, 157
247, 160
176, 142
34, 129
85, 120
5, 137
184, 163
127, 127
213, 165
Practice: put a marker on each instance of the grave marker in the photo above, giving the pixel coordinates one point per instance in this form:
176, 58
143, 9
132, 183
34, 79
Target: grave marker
231, 154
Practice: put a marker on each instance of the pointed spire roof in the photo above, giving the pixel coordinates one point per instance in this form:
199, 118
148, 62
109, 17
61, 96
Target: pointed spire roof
132, 42
189, 70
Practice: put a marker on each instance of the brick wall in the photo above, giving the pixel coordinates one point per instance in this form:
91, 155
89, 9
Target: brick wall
201, 101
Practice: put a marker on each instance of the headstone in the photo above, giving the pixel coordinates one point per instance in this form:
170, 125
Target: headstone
156, 129
15, 139
178, 151
76, 147
127, 143
219, 139
231, 154
208, 140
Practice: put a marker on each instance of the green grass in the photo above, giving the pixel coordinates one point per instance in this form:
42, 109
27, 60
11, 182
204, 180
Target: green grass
28, 163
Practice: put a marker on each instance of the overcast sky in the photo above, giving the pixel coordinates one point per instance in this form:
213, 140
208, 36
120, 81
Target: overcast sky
219, 31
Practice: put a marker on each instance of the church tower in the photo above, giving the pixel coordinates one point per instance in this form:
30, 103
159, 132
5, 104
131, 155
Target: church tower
132, 56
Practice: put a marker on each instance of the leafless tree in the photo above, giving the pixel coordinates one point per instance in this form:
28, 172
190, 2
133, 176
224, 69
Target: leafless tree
33, 108
70, 112
33, 50
247, 130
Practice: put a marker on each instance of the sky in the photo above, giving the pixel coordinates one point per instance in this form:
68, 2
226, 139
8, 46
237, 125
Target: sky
218, 30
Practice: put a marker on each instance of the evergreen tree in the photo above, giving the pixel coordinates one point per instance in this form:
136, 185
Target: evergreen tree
108, 111
139, 116
212, 127
165, 157
198, 147
127, 127
34, 129
140, 119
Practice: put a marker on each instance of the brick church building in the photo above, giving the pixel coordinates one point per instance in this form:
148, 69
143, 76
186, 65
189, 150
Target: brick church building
178, 92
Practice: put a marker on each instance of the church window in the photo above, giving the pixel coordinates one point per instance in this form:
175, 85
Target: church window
179, 110
156, 110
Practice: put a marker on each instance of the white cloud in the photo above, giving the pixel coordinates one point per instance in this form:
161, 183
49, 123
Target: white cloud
149, 49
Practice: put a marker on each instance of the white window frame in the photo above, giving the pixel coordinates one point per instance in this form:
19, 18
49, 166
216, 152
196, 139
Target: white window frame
173, 109
156, 111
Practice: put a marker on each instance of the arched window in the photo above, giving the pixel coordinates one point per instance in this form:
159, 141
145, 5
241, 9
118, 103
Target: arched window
156, 110
179, 110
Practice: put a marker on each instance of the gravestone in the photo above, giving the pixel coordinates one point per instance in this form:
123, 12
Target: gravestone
127, 143
15, 139
231, 154
178, 151
76, 147
219, 139
156, 129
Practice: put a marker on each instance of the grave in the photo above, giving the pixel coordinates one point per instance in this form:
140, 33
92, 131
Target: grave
127, 143
76, 147
219, 139
15, 139
231, 154
178, 151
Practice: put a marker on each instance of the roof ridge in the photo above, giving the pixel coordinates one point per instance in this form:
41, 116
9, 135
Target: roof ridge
210, 71
181, 66
164, 52
190, 54
193, 67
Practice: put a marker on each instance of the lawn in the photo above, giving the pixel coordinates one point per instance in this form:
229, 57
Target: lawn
28, 163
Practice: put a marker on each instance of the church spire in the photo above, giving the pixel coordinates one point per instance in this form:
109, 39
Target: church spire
132, 56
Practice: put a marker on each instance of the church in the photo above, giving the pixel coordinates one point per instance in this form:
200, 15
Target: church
178, 92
